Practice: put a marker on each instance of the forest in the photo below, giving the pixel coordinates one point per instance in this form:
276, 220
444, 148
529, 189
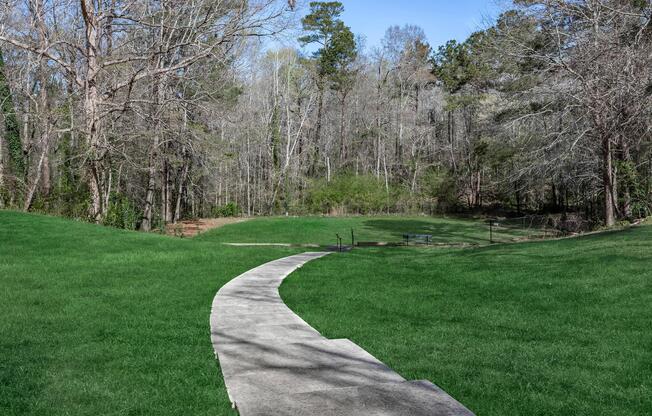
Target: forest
139, 113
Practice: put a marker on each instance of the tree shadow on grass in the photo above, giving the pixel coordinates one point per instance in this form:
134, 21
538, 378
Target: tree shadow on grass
442, 232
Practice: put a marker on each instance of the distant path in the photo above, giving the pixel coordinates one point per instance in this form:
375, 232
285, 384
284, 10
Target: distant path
271, 245
274, 363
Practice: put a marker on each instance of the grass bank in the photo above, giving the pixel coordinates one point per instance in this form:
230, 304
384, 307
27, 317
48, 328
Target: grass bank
547, 328
97, 321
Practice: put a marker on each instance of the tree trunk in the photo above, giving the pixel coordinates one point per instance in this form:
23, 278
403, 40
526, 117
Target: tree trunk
46, 181
377, 170
182, 184
31, 190
166, 191
91, 106
451, 139
2, 177
157, 96
378, 125
627, 197
109, 185
146, 224
399, 137
608, 183
328, 169
478, 189
342, 130
41, 176
320, 110
248, 184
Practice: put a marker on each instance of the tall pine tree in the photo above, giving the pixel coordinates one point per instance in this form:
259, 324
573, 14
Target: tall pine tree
336, 53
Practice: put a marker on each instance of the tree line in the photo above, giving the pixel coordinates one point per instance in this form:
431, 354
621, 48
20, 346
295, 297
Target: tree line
140, 113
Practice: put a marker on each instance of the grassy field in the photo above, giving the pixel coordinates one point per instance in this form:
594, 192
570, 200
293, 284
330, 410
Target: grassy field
96, 321
323, 230
102, 321
547, 328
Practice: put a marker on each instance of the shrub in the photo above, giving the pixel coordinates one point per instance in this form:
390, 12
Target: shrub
121, 213
440, 188
229, 210
348, 194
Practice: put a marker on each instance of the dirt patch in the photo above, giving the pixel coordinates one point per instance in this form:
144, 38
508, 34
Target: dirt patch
191, 228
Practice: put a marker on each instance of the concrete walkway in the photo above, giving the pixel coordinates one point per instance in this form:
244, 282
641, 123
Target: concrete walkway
274, 363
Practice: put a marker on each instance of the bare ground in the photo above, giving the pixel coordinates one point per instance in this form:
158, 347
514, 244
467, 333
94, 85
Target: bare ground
191, 228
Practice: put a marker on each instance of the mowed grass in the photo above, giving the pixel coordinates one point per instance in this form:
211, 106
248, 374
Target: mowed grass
101, 321
96, 321
547, 328
323, 230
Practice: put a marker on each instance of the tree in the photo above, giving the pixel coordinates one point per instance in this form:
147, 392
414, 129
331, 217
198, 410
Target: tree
408, 53
594, 61
452, 65
108, 67
342, 75
334, 58
140, 113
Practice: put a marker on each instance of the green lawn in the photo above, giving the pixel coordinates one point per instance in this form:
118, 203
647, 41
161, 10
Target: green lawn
102, 321
96, 321
323, 230
547, 328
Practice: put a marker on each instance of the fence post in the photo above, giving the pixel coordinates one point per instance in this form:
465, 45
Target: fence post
352, 239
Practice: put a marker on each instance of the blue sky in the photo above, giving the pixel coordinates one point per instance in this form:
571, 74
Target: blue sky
442, 20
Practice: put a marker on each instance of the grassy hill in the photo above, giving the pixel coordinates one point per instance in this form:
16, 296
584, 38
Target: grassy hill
99, 321
547, 328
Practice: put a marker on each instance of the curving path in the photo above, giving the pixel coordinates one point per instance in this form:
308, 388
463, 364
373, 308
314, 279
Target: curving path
274, 363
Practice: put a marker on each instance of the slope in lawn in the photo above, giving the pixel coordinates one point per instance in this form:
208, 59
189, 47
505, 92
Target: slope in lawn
323, 230
99, 321
554, 328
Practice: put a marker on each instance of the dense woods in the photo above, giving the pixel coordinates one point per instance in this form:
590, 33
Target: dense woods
140, 113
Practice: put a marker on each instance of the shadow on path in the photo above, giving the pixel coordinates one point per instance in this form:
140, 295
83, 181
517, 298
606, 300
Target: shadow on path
274, 363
